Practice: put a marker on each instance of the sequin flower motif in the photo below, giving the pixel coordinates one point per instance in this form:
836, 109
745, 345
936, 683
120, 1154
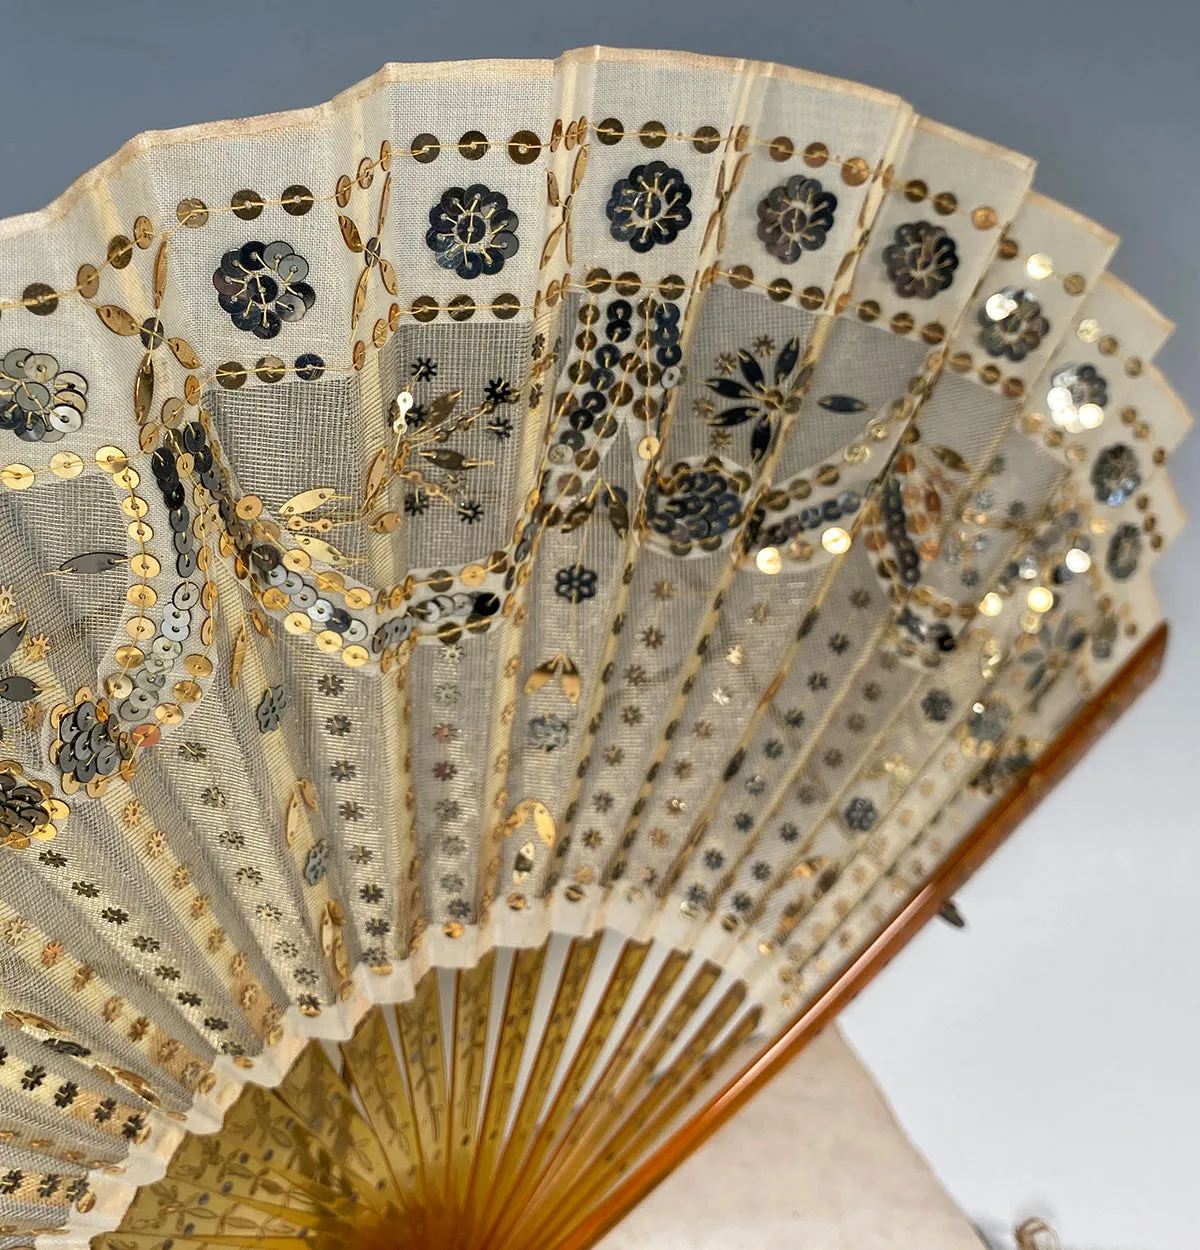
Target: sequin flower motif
988, 721
316, 864
40, 401
1116, 474
861, 814
23, 810
1013, 324
1124, 552
472, 231
921, 261
649, 206
262, 285
697, 504
795, 218
547, 733
1054, 646
92, 743
575, 583
761, 401
937, 705
270, 708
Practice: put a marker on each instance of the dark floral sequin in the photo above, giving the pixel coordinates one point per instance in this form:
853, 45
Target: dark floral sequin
262, 285
649, 206
922, 260
575, 583
1124, 552
937, 705
39, 400
547, 733
270, 708
861, 814
795, 217
1019, 330
1116, 474
989, 721
472, 231
316, 865
1083, 384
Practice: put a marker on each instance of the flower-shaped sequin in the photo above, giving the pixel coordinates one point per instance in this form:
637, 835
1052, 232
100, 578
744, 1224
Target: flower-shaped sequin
1013, 324
1124, 552
316, 865
1076, 397
649, 206
861, 814
1116, 474
262, 285
270, 708
472, 231
547, 733
92, 743
40, 401
937, 705
575, 583
795, 217
921, 261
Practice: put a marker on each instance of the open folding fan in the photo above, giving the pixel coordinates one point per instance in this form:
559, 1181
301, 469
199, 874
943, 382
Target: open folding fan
571, 550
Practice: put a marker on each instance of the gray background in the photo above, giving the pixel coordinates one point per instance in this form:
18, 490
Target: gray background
1045, 1059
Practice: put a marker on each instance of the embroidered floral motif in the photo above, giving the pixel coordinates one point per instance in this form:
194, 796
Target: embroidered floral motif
92, 744
1055, 644
861, 814
1116, 474
472, 231
316, 865
263, 285
649, 206
39, 400
1073, 388
1013, 324
547, 733
761, 403
1124, 552
937, 705
795, 217
697, 504
575, 583
989, 721
24, 810
270, 708
922, 260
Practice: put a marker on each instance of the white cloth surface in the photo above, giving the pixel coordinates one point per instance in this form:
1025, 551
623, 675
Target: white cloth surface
816, 1161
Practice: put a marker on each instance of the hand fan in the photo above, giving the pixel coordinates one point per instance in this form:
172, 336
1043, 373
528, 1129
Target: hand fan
521, 571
